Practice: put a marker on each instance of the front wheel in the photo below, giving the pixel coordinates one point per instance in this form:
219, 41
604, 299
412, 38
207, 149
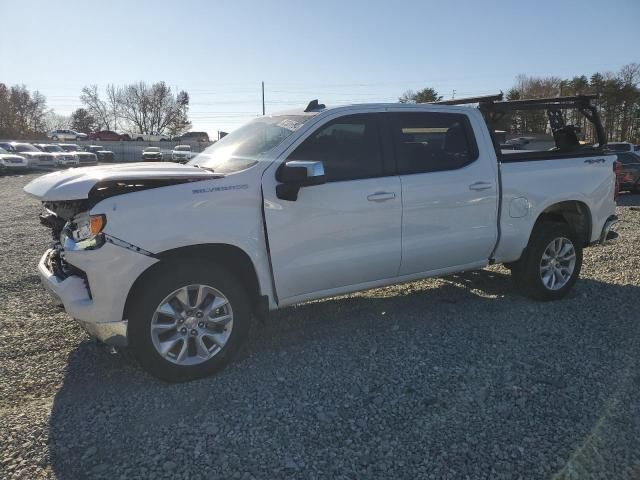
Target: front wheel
188, 321
551, 263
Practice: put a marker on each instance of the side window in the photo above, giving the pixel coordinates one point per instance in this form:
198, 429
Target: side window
432, 142
349, 147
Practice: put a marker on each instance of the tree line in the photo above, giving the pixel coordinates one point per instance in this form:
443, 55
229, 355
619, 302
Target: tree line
134, 108
149, 108
618, 103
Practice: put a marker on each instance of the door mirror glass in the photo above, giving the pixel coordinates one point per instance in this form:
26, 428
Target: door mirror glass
296, 174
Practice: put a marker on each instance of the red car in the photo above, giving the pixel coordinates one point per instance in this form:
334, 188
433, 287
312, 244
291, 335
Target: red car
108, 135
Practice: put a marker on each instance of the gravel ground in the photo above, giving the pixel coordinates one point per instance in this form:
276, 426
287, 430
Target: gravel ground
458, 377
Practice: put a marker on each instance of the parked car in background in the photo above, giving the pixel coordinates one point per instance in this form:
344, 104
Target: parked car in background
181, 153
150, 137
10, 161
192, 136
102, 153
34, 156
85, 158
66, 135
61, 158
108, 136
152, 154
629, 174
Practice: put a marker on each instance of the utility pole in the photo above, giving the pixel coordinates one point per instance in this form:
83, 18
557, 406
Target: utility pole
263, 99
453, 94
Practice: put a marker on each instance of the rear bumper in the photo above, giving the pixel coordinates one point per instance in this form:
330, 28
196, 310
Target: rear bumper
608, 235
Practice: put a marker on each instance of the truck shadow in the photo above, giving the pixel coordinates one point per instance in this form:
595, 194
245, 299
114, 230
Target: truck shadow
459, 358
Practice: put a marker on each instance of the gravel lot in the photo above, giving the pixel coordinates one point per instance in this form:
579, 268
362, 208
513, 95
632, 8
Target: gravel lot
455, 378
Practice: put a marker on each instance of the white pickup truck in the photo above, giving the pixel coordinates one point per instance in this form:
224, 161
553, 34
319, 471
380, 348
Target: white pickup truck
173, 260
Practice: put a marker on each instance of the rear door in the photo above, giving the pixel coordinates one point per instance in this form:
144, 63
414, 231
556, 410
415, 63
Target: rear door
449, 191
346, 231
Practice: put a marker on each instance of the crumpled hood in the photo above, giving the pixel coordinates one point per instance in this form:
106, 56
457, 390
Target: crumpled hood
76, 183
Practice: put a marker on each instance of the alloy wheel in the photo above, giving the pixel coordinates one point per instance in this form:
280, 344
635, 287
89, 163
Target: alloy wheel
558, 263
192, 324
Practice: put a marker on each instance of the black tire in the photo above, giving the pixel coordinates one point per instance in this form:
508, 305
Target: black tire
526, 271
166, 279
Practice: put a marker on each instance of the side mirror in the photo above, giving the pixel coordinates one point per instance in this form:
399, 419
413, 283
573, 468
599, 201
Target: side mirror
296, 174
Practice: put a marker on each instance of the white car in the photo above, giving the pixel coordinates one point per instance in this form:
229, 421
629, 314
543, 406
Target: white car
63, 135
34, 156
175, 259
181, 153
10, 161
84, 157
150, 137
61, 158
152, 154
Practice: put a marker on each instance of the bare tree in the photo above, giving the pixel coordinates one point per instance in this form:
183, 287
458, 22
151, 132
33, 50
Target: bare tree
154, 108
55, 121
104, 111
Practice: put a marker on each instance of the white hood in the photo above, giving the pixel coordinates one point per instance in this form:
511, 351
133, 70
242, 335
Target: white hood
76, 183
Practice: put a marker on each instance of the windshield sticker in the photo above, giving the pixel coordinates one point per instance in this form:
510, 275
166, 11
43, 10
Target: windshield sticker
220, 189
289, 124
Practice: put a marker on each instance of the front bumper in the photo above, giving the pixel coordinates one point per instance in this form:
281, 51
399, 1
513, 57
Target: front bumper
14, 166
97, 298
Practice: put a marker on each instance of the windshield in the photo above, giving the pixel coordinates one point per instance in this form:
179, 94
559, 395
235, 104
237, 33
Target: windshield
26, 148
247, 145
52, 148
3, 151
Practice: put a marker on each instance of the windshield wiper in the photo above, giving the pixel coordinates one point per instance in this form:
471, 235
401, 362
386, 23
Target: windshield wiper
208, 169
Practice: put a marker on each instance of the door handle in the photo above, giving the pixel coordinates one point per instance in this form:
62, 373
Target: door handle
381, 196
481, 186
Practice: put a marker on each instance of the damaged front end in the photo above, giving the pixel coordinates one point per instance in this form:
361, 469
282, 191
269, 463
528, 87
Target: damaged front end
86, 269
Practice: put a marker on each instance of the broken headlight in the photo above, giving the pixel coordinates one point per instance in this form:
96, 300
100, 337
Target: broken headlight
86, 230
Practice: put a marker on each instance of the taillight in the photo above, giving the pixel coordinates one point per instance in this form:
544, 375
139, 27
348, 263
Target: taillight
617, 171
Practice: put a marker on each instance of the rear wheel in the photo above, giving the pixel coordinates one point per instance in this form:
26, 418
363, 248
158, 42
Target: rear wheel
551, 263
188, 321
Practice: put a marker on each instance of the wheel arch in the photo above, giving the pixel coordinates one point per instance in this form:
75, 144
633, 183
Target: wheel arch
228, 256
574, 213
